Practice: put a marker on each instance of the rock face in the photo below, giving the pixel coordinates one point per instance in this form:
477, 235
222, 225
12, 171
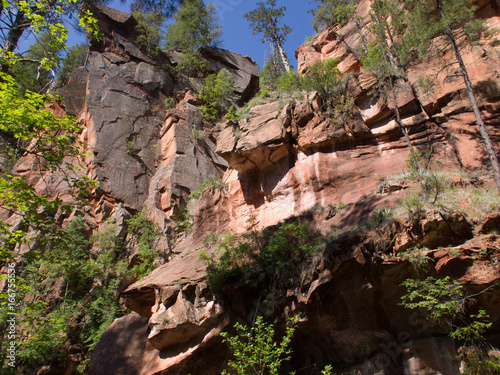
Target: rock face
140, 152
286, 158
279, 163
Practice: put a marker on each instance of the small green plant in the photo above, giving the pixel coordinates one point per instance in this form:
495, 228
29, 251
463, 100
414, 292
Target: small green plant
186, 221
131, 147
418, 258
197, 134
380, 216
169, 103
425, 84
215, 182
232, 114
255, 350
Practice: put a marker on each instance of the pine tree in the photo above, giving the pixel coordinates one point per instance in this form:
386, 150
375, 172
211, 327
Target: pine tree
429, 19
265, 20
195, 26
388, 54
29, 72
332, 11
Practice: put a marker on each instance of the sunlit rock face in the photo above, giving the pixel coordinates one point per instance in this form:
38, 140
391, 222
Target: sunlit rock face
280, 162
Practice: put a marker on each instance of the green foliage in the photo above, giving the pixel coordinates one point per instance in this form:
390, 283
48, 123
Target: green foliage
29, 72
193, 65
332, 11
232, 114
272, 71
326, 79
255, 350
151, 35
418, 258
256, 258
289, 82
429, 19
215, 182
446, 303
195, 26
75, 57
478, 361
380, 216
442, 298
169, 103
28, 128
216, 89
85, 284
185, 222
146, 234
265, 20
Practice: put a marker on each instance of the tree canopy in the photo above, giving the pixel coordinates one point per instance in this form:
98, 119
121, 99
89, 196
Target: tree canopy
195, 26
265, 21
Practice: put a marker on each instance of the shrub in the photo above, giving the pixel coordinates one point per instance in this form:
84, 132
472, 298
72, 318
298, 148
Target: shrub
146, 234
446, 303
255, 350
215, 182
256, 257
193, 65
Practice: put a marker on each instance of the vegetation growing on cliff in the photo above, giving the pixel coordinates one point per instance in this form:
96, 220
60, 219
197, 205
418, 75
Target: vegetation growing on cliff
259, 259
447, 305
265, 21
330, 12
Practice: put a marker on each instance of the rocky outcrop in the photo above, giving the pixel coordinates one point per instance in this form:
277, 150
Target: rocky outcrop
286, 158
348, 299
279, 163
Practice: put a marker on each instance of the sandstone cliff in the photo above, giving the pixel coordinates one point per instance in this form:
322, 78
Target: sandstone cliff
286, 162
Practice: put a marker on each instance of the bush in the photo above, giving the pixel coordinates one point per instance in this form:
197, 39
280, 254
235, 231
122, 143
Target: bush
255, 350
215, 182
146, 234
257, 258
332, 11
446, 304
193, 65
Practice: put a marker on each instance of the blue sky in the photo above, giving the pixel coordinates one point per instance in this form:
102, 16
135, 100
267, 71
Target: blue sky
238, 36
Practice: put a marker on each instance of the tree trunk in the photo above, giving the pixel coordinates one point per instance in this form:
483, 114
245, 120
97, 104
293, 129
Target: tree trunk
398, 113
17, 29
282, 53
475, 107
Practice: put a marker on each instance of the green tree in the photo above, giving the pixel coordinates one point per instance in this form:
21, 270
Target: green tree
430, 19
332, 11
75, 57
27, 128
19, 16
151, 35
217, 88
195, 26
29, 72
265, 20
388, 54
